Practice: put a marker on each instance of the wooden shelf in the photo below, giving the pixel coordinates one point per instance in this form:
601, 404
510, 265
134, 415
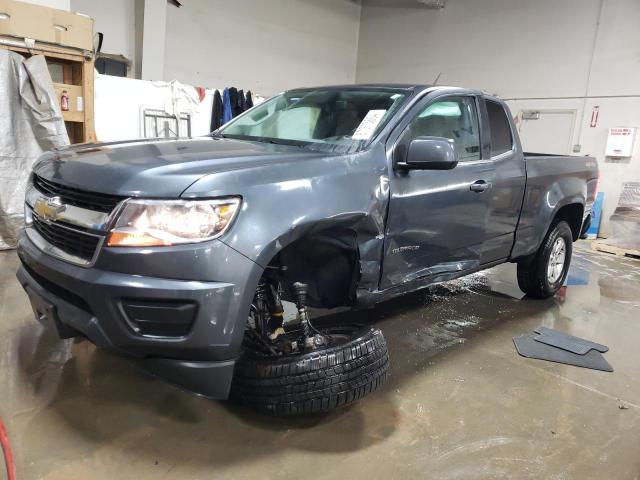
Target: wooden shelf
75, 89
76, 101
73, 117
49, 51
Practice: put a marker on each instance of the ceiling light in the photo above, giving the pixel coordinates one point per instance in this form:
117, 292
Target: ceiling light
435, 4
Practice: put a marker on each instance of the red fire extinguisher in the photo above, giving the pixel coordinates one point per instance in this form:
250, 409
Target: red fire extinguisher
64, 101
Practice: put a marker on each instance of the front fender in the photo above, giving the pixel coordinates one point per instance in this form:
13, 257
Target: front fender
351, 220
284, 202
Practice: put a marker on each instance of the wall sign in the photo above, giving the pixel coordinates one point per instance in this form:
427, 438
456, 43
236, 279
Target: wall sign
620, 142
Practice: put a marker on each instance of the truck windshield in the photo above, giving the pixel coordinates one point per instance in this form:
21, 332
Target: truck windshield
337, 120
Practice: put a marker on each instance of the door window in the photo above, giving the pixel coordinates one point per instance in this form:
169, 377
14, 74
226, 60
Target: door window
455, 118
501, 138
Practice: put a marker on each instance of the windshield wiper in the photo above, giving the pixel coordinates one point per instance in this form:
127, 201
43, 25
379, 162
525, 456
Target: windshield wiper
290, 143
273, 141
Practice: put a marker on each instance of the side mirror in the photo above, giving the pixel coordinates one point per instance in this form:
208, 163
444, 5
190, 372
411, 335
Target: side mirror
430, 153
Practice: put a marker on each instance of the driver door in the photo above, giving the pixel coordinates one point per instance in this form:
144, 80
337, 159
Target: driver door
437, 219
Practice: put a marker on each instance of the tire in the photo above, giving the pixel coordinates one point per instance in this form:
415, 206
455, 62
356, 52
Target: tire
313, 382
534, 277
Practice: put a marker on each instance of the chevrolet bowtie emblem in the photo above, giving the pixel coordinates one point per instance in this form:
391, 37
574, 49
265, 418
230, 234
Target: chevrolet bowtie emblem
49, 209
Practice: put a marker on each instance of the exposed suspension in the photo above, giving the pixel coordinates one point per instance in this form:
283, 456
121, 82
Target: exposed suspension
263, 314
268, 320
300, 292
311, 338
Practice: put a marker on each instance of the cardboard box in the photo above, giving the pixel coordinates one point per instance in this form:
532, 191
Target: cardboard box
45, 24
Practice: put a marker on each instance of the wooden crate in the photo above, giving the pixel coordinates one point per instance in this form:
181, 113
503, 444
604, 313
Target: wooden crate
620, 250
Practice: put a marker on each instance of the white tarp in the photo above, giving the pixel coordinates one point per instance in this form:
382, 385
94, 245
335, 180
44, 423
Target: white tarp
30, 123
120, 104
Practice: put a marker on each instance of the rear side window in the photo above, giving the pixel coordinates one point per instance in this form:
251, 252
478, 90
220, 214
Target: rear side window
501, 139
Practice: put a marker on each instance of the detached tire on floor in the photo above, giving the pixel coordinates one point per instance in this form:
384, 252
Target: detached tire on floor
543, 276
313, 382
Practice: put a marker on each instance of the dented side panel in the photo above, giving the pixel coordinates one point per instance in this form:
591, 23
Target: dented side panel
436, 224
285, 202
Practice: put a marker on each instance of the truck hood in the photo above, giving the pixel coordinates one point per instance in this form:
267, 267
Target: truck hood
158, 168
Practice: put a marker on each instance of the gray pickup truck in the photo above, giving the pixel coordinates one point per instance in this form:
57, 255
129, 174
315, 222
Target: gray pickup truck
180, 253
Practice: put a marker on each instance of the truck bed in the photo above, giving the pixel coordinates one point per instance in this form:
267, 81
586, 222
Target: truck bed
552, 182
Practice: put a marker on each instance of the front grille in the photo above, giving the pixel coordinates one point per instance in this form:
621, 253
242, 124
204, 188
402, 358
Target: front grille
69, 241
100, 202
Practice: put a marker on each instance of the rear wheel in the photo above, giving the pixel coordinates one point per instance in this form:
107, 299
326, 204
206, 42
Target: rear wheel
543, 276
352, 364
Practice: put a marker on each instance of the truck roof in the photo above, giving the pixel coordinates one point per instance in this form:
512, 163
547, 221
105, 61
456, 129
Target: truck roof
369, 86
412, 89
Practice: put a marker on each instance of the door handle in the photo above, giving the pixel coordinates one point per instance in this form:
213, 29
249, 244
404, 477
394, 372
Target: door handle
479, 186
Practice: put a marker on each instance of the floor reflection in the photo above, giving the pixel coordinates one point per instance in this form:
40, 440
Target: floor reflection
460, 399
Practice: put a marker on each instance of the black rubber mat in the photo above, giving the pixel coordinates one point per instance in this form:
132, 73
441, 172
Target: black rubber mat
528, 347
567, 342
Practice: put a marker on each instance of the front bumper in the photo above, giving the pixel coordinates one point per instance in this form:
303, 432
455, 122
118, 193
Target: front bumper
90, 302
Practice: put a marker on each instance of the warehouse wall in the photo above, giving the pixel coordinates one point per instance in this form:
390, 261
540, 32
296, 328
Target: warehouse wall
264, 46
59, 4
485, 44
538, 54
116, 19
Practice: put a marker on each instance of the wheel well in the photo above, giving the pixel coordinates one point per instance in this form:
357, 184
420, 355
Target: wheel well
572, 214
326, 261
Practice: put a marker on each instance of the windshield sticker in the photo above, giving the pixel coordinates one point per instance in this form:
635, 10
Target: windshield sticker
368, 125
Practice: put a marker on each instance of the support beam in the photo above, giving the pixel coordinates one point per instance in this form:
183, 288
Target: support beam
153, 39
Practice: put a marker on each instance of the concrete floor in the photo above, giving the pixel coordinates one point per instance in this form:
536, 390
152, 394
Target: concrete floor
460, 402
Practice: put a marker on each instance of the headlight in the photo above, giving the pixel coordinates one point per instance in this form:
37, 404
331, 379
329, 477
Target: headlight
150, 223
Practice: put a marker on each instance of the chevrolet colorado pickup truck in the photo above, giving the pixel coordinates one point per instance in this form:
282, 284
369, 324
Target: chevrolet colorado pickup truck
179, 253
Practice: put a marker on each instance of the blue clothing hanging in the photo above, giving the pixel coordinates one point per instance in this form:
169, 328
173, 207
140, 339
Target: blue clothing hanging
227, 112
